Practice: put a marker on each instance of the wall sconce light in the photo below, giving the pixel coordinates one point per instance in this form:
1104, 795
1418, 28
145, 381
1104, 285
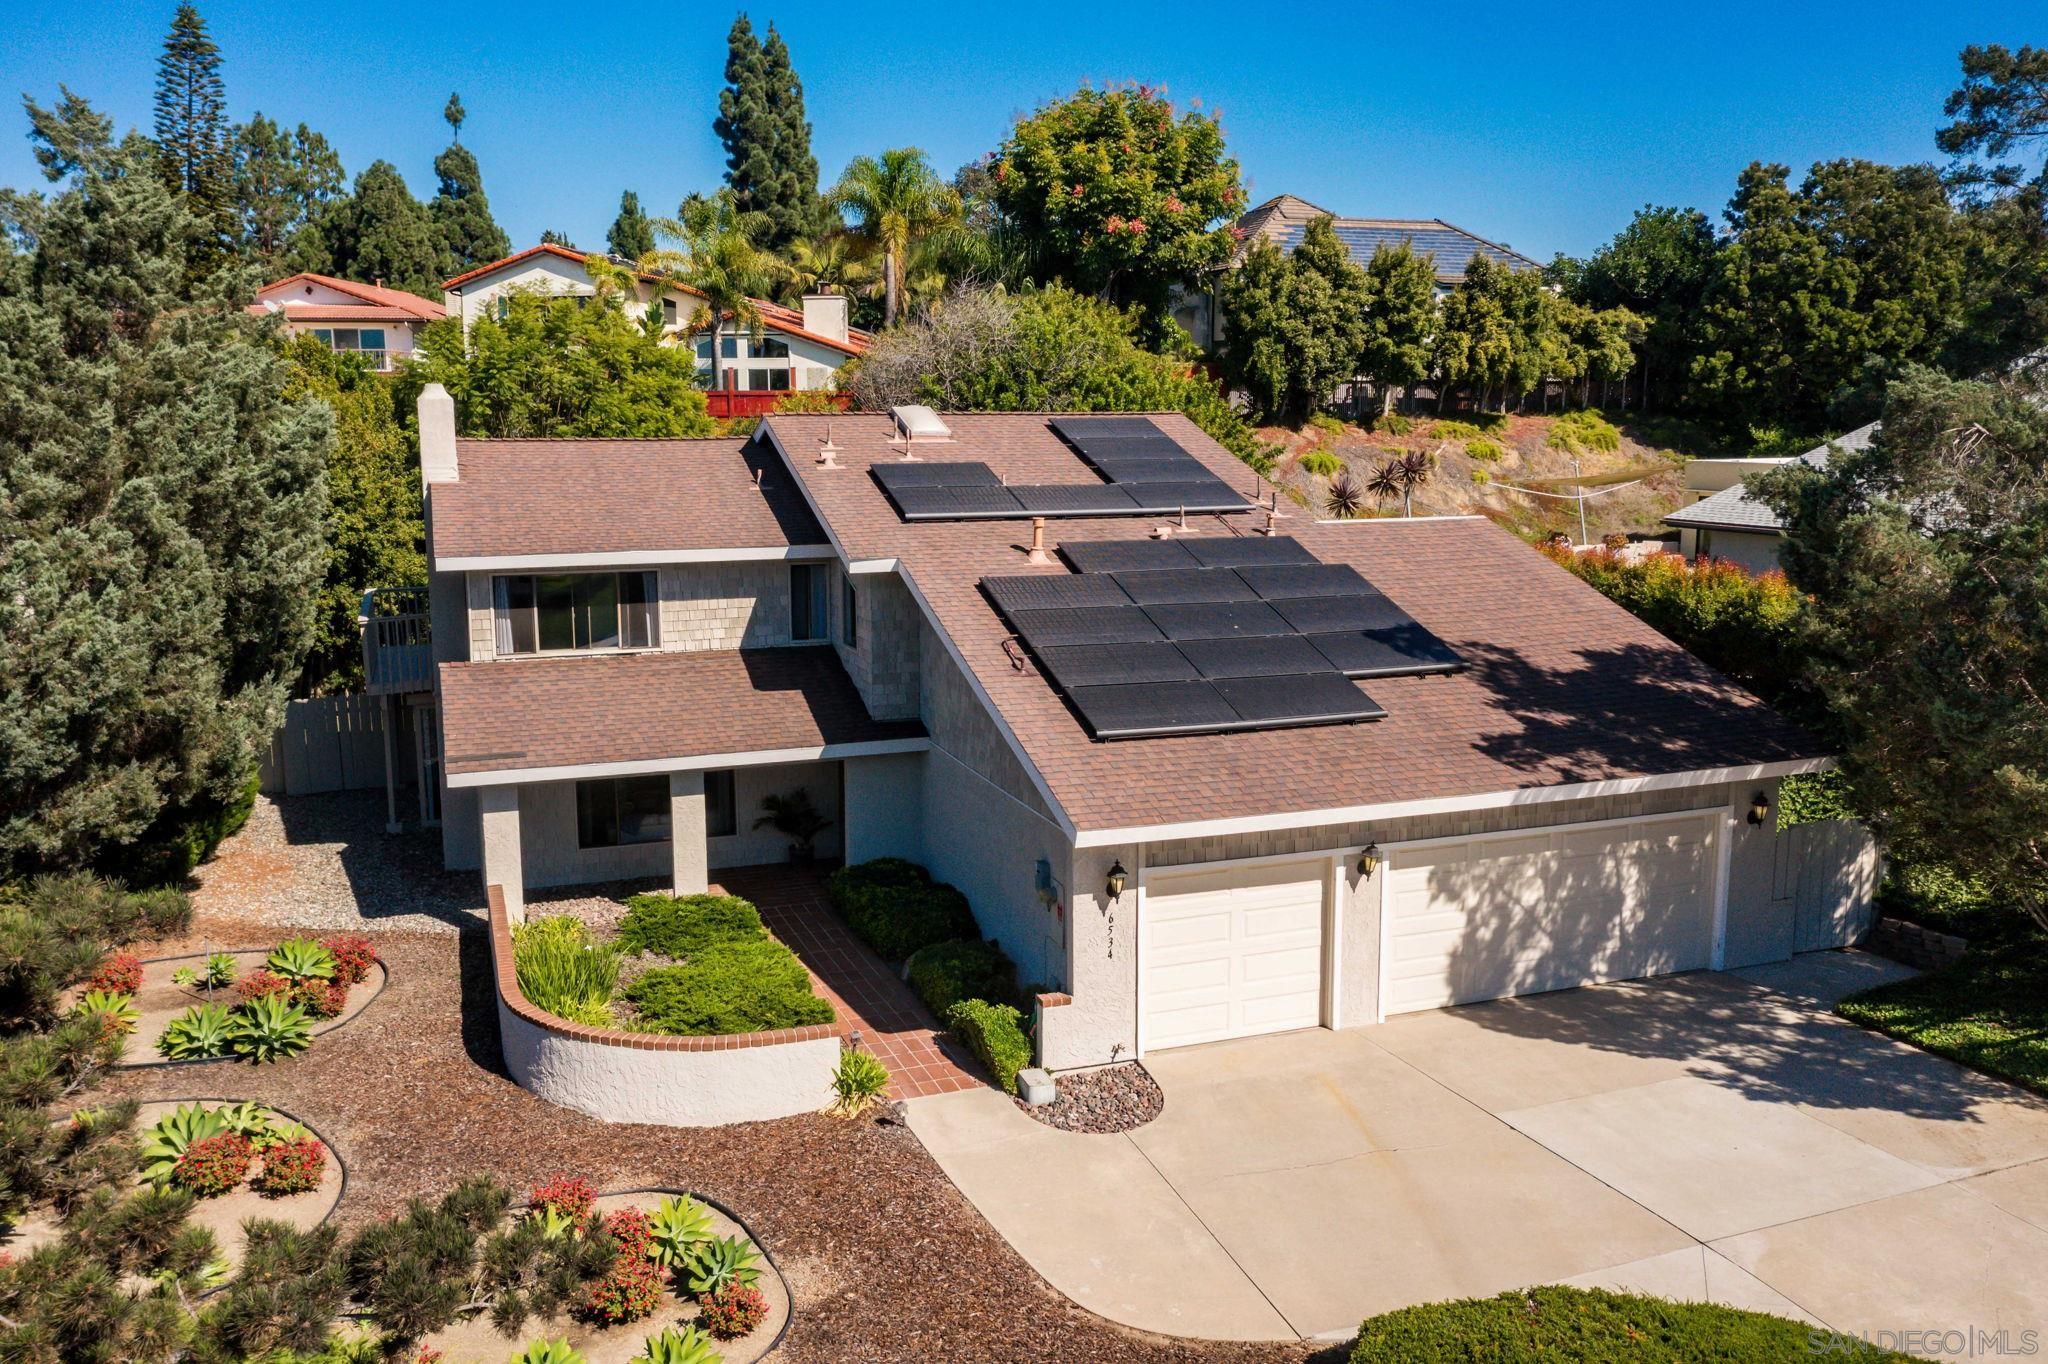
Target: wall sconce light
1760, 808
1369, 860
1114, 886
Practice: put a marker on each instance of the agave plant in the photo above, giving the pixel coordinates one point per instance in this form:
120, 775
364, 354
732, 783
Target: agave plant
675, 1227
554, 1222
114, 1008
269, 1029
166, 1142
220, 970
301, 959
717, 1261
252, 1120
687, 1346
547, 1352
202, 1031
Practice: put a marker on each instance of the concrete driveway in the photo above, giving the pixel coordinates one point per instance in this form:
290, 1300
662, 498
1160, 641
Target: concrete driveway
1708, 1137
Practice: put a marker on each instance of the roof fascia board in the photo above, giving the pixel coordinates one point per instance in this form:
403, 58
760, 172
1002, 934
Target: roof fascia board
1485, 800
1753, 528
761, 757
627, 558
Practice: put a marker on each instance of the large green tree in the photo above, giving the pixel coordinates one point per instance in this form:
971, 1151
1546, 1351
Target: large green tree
193, 134
283, 182
1998, 145
162, 503
714, 250
767, 137
895, 201
1295, 323
1658, 268
470, 236
1490, 331
1400, 319
1926, 560
561, 367
1117, 194
632, 233
380, 232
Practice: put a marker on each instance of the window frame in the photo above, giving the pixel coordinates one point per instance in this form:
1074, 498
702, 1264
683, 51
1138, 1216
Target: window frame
849, 608
721, 804
602, 808
523, 607
810, 604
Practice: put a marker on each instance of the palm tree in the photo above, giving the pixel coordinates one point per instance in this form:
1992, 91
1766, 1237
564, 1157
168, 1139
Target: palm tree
712, 251
831, 262
894, 199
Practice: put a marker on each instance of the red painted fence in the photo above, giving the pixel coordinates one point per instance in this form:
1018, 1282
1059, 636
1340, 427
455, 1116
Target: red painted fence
758, 402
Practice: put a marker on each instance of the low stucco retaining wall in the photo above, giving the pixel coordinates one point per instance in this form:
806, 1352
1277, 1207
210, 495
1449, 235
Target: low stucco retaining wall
647, 1077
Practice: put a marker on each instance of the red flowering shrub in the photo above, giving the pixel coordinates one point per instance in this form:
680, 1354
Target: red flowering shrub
118, 973
569, 1196
259, 983
632, 1229
291, 1167
427, 1355
353, 957
732, 1311
214, 1165
321, 998
631, 1288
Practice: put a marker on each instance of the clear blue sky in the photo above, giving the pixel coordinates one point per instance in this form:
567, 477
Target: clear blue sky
1542, 129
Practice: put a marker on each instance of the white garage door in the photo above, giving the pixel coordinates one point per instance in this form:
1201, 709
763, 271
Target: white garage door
1232, 952
1547, 909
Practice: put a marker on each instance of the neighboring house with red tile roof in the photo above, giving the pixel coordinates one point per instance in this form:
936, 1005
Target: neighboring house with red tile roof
800, 349
378, 323
639, 641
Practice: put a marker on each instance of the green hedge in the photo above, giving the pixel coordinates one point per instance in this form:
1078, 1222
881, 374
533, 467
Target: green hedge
1533, 1325
945, 973
995, 1032
896, 908
678, 926
727, 988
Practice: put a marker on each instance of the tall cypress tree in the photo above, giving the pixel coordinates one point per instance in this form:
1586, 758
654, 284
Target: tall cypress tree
192, 131
461, 212
382, 232
632, 232
768, 161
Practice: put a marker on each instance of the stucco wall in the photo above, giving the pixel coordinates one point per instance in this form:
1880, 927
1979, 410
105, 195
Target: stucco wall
1756, 552
885, 807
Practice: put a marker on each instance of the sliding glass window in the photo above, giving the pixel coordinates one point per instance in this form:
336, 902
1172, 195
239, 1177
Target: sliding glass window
566, 612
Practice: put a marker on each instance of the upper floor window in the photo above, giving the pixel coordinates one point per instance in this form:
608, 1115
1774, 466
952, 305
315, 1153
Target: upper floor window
850, 626
704, 350
668, 312
729, 347
560, 612
809, 617
771, 348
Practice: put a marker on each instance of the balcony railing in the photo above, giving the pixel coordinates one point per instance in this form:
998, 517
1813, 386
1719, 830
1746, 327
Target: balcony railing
398, 647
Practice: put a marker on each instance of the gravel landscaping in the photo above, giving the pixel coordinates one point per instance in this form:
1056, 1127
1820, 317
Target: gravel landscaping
1112, 1099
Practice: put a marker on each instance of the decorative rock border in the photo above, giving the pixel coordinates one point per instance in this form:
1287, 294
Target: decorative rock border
1914, 945
320, 1030
651, 1077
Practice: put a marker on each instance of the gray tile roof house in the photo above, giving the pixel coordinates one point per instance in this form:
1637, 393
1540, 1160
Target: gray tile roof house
639, 642
1733, 525
1283, 218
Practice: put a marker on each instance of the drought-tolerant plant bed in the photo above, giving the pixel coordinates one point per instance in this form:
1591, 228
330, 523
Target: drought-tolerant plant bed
662, 1243
1988, 1011
1591, 1325
259, 1005
688, 966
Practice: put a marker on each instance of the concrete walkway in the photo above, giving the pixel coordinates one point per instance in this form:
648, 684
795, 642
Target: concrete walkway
1704, 1137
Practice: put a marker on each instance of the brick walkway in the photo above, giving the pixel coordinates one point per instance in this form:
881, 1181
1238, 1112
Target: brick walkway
893, 1023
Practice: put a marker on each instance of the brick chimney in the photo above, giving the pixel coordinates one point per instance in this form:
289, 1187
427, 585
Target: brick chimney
825, 314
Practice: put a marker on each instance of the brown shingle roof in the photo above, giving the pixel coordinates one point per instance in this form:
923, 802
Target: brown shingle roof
1564, 687
518, 714
615, 496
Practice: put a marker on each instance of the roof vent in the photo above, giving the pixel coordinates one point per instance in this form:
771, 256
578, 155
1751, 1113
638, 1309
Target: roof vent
918, 425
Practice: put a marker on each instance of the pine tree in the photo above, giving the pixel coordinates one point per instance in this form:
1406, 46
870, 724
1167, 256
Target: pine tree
455, 114
380, 232
192, 130
164, 506
468, 231
282, 183
768, 161
632, 232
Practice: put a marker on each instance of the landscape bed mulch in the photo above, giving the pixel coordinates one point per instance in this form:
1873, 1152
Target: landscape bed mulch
884, 1259
1119, 1098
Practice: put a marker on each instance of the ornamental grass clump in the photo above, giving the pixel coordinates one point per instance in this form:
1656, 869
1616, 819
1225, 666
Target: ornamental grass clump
858, 1083
562, 970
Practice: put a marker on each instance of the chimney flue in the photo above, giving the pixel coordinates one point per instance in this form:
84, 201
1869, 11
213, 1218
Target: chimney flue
1038, 558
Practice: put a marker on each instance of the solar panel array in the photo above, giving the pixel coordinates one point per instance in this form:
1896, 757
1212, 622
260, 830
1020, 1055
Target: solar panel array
1148, 474
1207, 634
1451, 247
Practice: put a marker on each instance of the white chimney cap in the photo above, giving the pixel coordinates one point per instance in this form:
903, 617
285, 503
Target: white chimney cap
915, 422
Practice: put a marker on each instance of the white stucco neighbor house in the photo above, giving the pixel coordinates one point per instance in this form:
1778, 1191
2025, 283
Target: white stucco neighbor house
800, 349
1202, 774
380, 324
1728, 523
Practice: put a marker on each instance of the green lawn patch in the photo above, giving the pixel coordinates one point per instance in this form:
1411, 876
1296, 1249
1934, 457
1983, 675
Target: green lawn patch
1591, 1325
1988, 1011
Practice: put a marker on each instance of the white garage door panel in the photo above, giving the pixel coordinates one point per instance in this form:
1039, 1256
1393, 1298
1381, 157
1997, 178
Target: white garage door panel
1232, 952
1521, 914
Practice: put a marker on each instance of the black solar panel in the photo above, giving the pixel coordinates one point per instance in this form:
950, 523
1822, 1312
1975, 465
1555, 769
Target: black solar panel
1072, 499
1265, 656
1049, 591
1152, 468
1303, 699
919, 503
1080, 425
1276, 582
1397, 651
1094, 665
924, 474
1153, 708
1231, 550
1217, 620
972, 502
1320, 615
1050, 628
1160, 586
1199, 495
1111, 556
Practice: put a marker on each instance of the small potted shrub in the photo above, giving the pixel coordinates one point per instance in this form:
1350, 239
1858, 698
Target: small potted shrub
797, 819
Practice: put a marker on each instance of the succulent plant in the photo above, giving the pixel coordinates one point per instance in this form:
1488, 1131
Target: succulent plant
269, 1029
165, 1143
686, 1346
548, 1352
202, 1031
113, 1008
301, 959
715, 1262
676, 1226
